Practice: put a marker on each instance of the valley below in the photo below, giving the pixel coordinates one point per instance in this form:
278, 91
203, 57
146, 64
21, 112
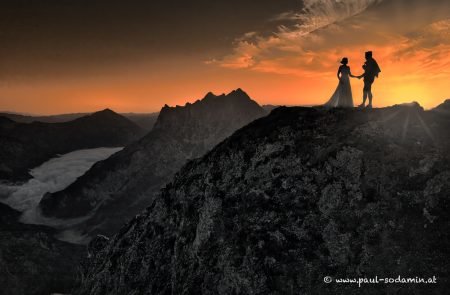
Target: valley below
221, 197
52, 176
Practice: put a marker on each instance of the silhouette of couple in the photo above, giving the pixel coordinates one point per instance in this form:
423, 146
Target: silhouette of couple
342, 97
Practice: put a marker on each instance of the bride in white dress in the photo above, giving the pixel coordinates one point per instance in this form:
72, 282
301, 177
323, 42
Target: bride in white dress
342, 97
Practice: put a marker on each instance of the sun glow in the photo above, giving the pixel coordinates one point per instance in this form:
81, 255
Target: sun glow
295, 64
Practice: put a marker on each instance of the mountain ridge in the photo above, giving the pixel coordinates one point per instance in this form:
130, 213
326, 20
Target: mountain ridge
292, 197
27, 145
143, 120
179, 134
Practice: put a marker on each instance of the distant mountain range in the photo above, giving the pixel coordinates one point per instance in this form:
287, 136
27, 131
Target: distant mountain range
143, 120
26, 145
116, 189
22, 118
296, 196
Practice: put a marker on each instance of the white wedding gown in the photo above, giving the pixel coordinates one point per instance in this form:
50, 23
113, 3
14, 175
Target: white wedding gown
342, 97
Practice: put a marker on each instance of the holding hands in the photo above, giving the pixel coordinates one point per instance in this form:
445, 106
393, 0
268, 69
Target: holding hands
358, 77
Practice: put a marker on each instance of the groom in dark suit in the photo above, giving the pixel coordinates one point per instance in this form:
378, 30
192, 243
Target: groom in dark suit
371, 71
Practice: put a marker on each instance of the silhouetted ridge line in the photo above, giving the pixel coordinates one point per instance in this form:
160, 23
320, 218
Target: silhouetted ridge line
114, 190
290, 197
24, 146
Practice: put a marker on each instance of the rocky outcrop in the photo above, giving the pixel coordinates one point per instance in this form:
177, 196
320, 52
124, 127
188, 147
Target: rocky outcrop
443, 107
116, 189
26, 145
32, 261
293, 197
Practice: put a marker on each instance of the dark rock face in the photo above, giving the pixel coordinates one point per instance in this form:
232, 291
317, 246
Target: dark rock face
116, 189
26, 145
301, 194
32, 261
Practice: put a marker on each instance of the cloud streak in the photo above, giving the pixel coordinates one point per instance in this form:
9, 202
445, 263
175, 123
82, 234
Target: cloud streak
409, 38
295, 41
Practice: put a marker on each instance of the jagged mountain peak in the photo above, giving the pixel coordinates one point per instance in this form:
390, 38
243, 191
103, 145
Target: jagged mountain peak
208, 111
239, 92
234, 93
113, 190
210, 97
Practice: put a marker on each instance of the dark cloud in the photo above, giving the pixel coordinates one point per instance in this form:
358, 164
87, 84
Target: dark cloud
58, 36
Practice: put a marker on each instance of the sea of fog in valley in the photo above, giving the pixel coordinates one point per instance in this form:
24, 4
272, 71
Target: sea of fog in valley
52, 176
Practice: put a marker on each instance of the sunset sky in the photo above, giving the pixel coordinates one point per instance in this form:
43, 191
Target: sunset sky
61, 56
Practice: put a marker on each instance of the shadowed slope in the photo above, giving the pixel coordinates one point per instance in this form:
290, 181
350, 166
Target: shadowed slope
32, 261
293, 197
26, 145
116, 189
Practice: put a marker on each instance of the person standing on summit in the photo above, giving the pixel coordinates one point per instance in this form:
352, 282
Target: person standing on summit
371, 71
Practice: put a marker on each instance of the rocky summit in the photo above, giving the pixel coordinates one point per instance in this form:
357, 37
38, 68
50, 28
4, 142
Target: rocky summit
116, 189
293, 197
443, 107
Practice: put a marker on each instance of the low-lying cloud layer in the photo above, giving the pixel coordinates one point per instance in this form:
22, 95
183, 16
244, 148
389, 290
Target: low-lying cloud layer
54, 175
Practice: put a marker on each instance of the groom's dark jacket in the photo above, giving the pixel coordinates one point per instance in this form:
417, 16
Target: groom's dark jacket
371, 69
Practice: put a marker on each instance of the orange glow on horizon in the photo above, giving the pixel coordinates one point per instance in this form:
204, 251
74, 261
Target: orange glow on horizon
137, 94
409, 73
293, 65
